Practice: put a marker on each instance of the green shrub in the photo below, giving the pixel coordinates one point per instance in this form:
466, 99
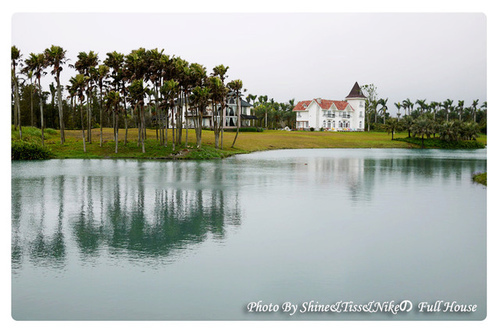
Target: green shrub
22, 150
438, 143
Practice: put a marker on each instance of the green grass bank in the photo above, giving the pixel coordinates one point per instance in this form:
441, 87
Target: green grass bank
247, 142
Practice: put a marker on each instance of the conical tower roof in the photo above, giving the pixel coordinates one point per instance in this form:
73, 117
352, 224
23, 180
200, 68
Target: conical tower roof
355, 92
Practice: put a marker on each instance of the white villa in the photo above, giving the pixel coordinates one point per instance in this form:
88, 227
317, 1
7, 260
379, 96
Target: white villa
348, 115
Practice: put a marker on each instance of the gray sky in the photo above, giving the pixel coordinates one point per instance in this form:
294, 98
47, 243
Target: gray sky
290, 55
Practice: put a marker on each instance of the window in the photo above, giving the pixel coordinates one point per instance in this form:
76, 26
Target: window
360, 124
361, 104
360, 114
344, 114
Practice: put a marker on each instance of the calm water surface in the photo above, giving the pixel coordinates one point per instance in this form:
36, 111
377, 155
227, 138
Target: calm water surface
146, 240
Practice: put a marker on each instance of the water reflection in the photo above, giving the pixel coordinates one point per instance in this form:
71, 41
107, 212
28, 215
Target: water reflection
143, 214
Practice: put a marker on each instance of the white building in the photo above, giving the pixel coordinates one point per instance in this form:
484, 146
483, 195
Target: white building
347, 115
230, 119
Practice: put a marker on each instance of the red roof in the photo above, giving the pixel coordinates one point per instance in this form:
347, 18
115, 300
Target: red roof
302, 105
324, 104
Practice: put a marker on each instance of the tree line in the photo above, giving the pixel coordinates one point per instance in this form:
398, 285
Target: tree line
425, 120
143, 88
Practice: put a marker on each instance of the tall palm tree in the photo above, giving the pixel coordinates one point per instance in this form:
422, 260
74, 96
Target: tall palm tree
115, 61
447, 106
78, 88
86, 65
15, 59
236, 86
434, 106
422, 106
474, 108
36, 64
55, 56
383, 109
398, 105
137, 93
170, 90
218, 93
460, 109
221, 72
200, 99
112, 102
102, 75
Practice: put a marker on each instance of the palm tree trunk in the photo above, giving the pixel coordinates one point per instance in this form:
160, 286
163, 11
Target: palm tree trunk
32, 109
83, 126
89, 118
18, 107
100, 119
238, 108
61, 116
41, 110
143, 123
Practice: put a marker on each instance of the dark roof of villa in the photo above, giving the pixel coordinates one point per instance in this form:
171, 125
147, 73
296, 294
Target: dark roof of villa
355, 92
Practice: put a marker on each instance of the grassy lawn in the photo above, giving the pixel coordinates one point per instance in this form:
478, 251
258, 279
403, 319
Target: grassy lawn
246, 142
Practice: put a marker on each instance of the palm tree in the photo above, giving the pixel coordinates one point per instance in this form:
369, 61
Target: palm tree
200, 99
460, 109
112, 102
407, 104
218, 93
78, 88
422, 106
170, 90
398, 105
236, 86
36, 64
383, 109
447, 106
102, 74
86, 65
115, 61
422, 127
406, 123
15, 59
137, 93
434, 106
221, 72
392, 125
197, 78
56, 57
474, 108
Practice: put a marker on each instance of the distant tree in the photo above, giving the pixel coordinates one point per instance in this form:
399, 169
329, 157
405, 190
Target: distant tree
398, 105
370, 91
422, 127
392, 125
406, 123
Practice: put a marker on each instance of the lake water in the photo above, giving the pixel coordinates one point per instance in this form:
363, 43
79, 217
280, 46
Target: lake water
201, 240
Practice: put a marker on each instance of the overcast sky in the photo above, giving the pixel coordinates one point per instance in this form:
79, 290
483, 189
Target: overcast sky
295, 55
